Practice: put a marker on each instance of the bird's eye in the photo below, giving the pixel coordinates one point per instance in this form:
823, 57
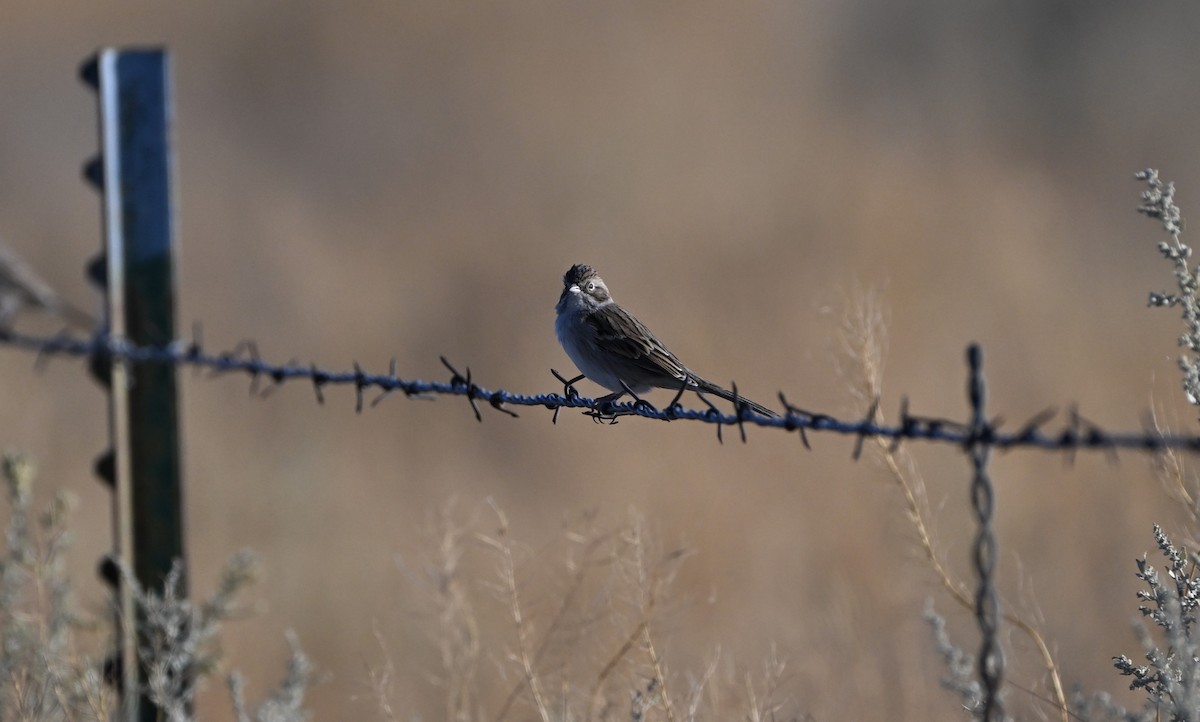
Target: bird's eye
591, 286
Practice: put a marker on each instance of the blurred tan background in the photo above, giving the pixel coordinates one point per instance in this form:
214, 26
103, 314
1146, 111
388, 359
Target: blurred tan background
358, 181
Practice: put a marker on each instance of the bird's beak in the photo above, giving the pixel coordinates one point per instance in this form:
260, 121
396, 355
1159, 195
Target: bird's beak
574, 288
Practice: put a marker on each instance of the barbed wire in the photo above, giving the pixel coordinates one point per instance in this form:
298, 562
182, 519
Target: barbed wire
1073, 433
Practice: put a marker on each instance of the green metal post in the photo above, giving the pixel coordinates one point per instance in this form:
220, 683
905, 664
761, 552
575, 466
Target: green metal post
135, 176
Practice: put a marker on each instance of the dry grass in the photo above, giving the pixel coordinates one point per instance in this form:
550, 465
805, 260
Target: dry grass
864, 341
575, 629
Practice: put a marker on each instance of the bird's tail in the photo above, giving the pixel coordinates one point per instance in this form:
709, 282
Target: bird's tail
711, 388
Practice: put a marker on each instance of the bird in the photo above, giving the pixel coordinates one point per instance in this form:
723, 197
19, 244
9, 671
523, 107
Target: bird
21, 288
615, 350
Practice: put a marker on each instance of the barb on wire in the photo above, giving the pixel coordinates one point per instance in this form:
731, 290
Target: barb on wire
1077, 433
1032, 427
497, 399
458, 381
386, 392
792, 423
868, 420
739, 408
569, 391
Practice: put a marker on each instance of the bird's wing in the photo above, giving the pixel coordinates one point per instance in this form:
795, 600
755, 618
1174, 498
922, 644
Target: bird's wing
628, 338
620, 333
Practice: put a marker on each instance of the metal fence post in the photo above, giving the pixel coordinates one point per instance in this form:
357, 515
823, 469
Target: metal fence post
137, 270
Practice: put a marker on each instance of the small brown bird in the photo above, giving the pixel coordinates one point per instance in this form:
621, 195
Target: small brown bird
616, 350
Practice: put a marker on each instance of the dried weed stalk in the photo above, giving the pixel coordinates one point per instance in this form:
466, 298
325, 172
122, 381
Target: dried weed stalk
864, 343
